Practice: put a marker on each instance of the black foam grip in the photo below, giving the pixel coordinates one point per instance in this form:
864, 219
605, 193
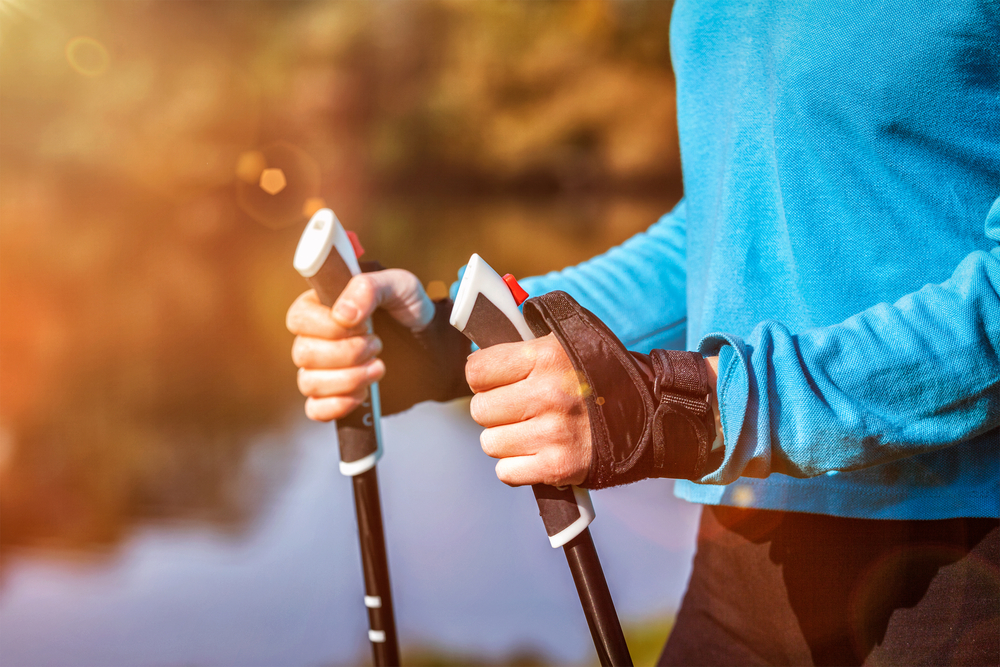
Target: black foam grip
488, 326
557, 507
356, 433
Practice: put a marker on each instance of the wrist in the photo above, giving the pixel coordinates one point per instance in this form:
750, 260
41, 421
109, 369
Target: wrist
712, 367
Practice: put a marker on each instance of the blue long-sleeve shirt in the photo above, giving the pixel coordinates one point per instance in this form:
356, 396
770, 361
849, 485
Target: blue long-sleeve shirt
838, 247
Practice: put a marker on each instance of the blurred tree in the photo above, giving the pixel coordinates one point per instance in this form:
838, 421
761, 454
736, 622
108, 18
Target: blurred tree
141, 308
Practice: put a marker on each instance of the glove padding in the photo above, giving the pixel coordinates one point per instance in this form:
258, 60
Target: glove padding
639, 427
425, 365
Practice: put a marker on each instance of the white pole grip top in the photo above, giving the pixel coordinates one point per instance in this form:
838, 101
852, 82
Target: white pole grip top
480, 278
323, 233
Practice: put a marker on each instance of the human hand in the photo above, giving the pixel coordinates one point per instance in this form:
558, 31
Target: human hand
336, 355
531, 401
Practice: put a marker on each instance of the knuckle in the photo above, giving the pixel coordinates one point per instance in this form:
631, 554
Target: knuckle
477, 409
301, 352
306, 382
486, 441
472, 372
371, 373
546, 359
557, 470
548, 429
293, 319
357, 350
363, 288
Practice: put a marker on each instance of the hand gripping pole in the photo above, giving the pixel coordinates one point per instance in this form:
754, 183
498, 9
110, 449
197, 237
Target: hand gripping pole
326, 258
486, 311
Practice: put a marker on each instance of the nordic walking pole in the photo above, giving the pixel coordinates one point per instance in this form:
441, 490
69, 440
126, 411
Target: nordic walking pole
486, 311
327, 258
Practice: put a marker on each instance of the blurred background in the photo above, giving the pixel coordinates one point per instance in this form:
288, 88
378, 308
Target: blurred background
162, 498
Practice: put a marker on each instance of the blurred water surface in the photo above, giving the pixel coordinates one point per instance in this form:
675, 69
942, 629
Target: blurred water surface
472, 571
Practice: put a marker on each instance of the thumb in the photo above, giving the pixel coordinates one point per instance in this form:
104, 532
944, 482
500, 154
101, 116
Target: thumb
397, 291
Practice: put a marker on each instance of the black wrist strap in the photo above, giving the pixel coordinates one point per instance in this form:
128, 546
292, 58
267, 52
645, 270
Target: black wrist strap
680, 382
640, 427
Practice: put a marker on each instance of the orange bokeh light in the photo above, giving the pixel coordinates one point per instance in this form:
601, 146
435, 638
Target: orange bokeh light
272, 181
250, 165
311, 205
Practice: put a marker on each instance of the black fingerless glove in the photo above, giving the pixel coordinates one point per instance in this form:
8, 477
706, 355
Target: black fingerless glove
427, 365
639, 428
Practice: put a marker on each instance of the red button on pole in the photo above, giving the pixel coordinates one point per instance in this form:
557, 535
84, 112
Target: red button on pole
356, 244
516, 290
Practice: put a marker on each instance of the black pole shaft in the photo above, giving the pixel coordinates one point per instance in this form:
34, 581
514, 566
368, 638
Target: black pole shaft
378, 596
598, 606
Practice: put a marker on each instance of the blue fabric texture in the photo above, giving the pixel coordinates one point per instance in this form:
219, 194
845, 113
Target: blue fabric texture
838, 247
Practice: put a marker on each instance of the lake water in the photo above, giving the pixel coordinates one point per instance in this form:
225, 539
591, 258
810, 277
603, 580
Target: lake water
472, 571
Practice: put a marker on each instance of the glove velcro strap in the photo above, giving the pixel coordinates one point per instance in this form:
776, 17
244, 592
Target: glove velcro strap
636, 431
680, 382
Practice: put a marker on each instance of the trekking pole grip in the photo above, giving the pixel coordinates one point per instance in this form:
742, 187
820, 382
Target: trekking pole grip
486, 311
327, 257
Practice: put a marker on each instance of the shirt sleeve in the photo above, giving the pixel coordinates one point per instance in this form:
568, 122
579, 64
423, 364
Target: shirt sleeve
637, 288
890, 382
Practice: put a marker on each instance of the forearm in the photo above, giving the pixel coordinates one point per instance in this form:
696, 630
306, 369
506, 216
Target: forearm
891, 382
637, 288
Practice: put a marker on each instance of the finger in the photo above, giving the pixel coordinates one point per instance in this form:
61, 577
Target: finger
337, 407
519, 470
308, 352
499, 365
556, 393
507, 405
308, 317
509, 440
509, 362
397, 291
552, 467
341, 381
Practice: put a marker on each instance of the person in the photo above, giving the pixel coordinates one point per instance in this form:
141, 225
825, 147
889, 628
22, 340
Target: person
834, 268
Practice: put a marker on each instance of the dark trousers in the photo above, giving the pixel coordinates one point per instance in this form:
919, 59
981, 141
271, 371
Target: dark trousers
786, 588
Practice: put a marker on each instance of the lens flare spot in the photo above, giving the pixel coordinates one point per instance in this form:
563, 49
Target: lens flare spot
284, 177
87, 56
576, 384
250, 165
599, 400
743, 496
272, 180
437, 290
311, 205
